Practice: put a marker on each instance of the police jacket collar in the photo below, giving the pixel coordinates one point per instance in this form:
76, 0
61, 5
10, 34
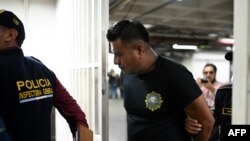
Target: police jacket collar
14, 50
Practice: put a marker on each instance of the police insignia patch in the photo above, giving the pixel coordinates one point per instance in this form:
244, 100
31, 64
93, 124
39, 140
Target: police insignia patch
15, 21
153, 101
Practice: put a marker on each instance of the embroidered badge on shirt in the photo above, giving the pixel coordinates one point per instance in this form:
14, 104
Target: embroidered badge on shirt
153, 101
226, 111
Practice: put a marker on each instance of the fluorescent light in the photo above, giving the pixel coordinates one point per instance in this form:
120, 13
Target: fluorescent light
148, 26
212, 35
187, 47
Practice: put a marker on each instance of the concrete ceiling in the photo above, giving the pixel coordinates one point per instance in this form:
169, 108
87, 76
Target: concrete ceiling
200, 22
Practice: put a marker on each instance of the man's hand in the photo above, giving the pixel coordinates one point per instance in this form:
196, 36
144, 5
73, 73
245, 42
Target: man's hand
192, 126
83, 134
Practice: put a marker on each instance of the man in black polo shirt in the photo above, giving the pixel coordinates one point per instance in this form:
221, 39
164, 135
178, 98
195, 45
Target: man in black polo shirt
158, 92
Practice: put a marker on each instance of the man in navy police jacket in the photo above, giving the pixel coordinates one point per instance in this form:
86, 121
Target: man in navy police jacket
28, 89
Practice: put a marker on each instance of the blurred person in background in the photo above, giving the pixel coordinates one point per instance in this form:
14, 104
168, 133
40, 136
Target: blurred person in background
112, 78
209, 84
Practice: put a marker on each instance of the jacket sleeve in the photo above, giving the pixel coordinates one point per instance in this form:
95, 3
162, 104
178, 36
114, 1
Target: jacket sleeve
68, 108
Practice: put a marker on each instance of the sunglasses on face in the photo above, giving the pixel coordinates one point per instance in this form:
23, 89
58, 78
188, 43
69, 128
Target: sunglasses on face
208, 72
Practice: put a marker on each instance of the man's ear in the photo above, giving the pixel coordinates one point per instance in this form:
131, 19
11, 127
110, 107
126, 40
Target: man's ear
11, 35
140, 48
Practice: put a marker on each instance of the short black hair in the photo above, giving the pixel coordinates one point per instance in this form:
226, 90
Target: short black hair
128, 30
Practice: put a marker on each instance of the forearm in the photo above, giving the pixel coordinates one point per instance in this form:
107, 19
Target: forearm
205, 133
199, 110
69, 108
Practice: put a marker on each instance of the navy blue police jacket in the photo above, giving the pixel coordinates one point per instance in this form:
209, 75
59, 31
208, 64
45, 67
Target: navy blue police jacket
223, 107
27, 93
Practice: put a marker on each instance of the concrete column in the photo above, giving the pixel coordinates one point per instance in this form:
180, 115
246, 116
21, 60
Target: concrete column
241, 62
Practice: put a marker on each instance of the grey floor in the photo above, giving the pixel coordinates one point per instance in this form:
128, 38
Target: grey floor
117, 120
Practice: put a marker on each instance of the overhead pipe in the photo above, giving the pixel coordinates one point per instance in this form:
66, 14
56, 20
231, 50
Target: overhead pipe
155, 9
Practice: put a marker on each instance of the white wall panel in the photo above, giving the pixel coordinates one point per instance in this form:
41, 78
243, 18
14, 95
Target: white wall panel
241, 94
69, 37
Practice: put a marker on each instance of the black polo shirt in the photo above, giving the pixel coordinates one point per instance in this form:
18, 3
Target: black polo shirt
155, 102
